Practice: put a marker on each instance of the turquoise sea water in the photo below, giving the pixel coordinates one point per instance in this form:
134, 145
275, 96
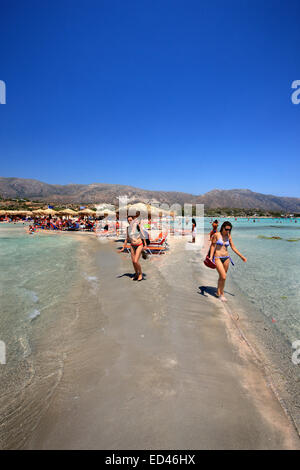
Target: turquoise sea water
37, 273
271, 276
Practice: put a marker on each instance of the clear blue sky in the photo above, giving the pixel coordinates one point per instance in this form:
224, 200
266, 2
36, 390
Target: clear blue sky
162, 94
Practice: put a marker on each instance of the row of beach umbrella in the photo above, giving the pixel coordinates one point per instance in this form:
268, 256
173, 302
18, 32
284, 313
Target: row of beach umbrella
131, 208
45, 212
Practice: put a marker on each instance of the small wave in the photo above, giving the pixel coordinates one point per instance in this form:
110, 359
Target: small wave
36, 313
90, 278
34, 296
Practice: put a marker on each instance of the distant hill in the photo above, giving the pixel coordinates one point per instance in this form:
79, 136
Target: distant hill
109, 193
246, 199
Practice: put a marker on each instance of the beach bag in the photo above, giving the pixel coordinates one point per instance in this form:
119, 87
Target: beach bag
209, 263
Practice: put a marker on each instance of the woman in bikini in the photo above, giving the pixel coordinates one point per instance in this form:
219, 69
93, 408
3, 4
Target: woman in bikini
135, 237
219, 255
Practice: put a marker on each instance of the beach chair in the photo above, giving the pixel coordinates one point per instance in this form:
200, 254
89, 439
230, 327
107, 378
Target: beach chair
150, 249
159, 245
53, 226
160, 240
156, 249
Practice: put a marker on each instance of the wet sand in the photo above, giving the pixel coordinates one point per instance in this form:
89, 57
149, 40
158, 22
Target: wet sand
158, 364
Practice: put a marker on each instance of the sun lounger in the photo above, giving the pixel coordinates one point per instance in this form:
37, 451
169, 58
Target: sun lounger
157, 246
160, 240
156, 249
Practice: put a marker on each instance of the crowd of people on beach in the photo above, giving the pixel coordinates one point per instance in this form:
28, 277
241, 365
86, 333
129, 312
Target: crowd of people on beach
50, 223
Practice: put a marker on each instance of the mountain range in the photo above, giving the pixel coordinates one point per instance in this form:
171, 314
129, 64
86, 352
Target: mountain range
13, 188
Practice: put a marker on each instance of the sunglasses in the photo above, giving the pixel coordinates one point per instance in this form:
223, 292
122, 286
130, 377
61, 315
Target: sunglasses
227, 229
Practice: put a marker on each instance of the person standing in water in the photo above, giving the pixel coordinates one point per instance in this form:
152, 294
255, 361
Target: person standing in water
135, 237
194, 225
214, 229
219, 255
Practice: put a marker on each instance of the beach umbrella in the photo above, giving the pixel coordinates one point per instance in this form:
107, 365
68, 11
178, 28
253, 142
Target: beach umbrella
49, 212
87, 212
24, 212
38, 212
132, 209
12, 212
146, 208
106, 213
105, 209
139, 206
68, 212
17, 213
159, 211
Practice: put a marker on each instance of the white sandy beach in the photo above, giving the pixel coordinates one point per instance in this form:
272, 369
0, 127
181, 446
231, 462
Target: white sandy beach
156, 365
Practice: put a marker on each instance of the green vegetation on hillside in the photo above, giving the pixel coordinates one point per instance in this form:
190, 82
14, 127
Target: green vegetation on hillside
26, 204
238, 212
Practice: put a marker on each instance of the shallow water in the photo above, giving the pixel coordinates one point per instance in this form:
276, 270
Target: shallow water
271, 276
37, 273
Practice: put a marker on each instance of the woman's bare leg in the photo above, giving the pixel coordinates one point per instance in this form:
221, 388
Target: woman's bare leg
133, 262
222, 277
226, 266
137, 256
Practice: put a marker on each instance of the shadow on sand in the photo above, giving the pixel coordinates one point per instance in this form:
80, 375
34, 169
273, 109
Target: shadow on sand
210, 290
131, 275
